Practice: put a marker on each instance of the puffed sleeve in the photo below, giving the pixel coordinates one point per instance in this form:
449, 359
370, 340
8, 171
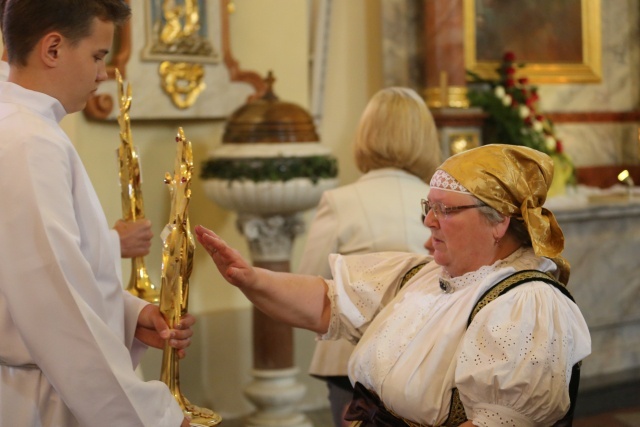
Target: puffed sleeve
515, 361
362, 286
322, 240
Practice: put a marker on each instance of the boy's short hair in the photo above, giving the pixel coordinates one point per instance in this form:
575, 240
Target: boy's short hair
25, 22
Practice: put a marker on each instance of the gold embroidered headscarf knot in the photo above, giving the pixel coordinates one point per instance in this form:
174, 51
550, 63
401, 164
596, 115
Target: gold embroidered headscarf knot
514, 180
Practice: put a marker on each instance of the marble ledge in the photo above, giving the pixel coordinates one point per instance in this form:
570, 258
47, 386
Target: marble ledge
589, 203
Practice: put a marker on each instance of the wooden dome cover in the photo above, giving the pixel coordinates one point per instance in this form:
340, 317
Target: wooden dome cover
269, 120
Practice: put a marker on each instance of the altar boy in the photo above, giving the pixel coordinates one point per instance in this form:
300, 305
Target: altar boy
71, 336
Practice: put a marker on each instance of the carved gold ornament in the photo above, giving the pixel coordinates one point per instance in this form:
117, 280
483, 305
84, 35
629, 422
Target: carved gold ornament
174, 15
177, 31
182, 81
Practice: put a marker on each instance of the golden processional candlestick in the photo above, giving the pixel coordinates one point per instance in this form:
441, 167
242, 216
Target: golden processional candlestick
177, 263
131, 194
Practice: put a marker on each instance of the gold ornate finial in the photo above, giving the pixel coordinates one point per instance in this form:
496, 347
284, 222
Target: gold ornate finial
131, 193
177, 262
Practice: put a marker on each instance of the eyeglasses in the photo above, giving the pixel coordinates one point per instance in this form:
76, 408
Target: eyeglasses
440, 210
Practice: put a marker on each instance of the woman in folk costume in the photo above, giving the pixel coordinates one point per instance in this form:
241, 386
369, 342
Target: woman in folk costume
433, 349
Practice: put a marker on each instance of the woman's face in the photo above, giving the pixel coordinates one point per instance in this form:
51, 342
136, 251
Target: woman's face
463, 240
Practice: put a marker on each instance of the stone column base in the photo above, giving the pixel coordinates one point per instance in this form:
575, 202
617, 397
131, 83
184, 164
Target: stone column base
276, 393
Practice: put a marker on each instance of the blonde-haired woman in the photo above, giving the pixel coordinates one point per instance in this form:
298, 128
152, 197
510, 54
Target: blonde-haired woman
397, 150
397, 130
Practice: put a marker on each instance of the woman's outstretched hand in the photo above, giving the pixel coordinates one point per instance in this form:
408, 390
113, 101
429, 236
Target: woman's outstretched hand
295, 299
230, 263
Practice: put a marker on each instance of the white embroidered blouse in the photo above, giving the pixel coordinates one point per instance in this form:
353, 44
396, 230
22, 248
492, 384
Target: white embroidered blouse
511, 366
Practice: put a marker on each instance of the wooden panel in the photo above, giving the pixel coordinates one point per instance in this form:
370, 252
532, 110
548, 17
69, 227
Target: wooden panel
605, 176
595, 117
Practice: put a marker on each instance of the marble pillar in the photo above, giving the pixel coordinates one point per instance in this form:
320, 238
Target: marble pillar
445, 75
274, 390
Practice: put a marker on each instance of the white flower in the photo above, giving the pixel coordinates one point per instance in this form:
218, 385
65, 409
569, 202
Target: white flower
499, 92
506, 101
550, 143
524, 111
537, 126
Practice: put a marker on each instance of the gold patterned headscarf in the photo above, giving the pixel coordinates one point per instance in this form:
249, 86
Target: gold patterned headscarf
513, 180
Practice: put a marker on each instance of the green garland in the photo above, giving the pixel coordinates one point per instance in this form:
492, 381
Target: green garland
271, 169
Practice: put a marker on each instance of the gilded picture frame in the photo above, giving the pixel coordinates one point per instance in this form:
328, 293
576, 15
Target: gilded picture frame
558, 41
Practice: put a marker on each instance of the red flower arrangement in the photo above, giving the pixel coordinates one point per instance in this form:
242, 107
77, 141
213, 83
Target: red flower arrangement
512, 108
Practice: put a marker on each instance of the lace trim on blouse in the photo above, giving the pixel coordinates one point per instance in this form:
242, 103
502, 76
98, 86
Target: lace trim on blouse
469, 279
